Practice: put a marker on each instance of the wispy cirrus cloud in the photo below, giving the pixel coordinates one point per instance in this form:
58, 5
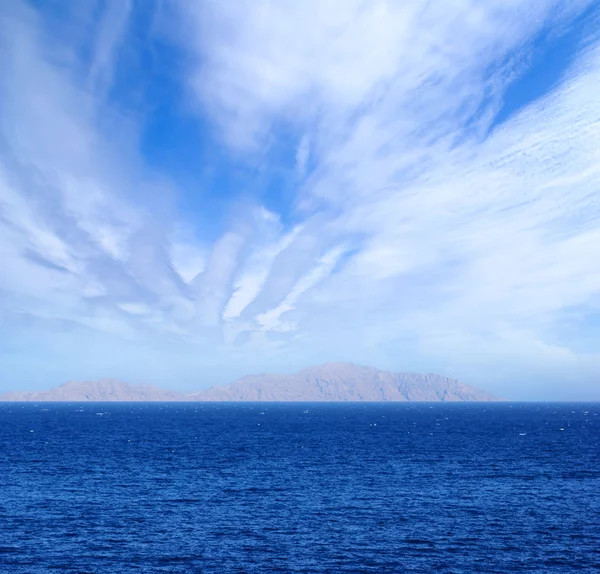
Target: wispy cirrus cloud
465, 226
65, 201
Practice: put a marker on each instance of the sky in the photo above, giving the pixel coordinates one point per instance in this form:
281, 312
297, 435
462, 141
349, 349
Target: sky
195, 191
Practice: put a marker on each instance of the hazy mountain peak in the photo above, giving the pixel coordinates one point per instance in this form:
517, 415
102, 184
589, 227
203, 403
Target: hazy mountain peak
344, 382
101, 390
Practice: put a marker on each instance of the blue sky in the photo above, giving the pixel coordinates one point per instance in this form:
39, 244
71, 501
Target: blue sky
194, 191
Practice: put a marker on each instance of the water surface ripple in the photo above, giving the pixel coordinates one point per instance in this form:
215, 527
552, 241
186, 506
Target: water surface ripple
223, 488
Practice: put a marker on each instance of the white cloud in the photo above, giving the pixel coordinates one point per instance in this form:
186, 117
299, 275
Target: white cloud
111, 29
66, 209
271, 319
212, 287
302, 156
135, 308
264, 60
189, 260
458, 229
254, 274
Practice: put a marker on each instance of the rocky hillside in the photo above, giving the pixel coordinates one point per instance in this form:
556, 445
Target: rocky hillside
344, 382
102, 390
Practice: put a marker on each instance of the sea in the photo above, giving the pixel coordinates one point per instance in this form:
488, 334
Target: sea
290, 487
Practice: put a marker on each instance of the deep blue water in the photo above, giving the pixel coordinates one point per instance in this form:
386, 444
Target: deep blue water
296, 487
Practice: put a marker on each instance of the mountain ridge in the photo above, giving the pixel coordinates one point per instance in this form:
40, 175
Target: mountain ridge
331, 382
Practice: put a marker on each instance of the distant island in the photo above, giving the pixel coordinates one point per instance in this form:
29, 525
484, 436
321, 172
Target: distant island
331, 382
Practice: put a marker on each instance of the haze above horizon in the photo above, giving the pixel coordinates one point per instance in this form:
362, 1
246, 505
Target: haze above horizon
195, 191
